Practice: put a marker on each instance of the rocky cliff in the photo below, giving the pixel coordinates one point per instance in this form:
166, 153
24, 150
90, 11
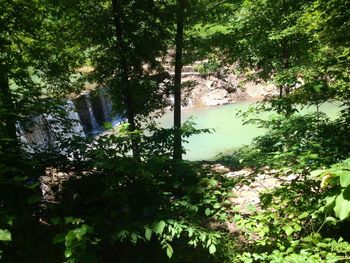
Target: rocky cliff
221, 87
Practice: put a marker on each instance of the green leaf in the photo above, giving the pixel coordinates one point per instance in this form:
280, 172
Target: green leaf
159, 228
288, 230
81, 231
313, 156
148, 234
344, 178
68, 252
303, 215
74, 221
70, 236
59, 238
207, 212
134, 237
202, 237
331, 219
5, 235
342, 207
212, 249
330, 200
208, 242
107, 125
213, 182
190, 232
169, 251
316, 173
217, 206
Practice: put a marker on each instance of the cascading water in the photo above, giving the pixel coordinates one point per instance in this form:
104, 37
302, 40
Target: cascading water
85, 115
73, 115
95, 109
92, 112
107, 107
106, 103
42, 131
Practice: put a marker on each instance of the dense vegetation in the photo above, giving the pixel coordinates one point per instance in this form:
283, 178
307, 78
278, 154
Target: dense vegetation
127, 195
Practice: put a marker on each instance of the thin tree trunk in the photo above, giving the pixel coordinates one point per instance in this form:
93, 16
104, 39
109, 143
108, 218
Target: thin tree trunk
286, 60
285, 64
285, 52
9, 116
127, 88
177, 78
281, 91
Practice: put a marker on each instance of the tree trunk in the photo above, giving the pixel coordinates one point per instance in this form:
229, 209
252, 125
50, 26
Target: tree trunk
287, 108
9, 116
286, 64
177, 79
281, 91
286, 61
126, 88
285, 52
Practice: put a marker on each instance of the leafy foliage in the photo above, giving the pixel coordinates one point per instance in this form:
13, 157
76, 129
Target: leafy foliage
336, 181
170, 210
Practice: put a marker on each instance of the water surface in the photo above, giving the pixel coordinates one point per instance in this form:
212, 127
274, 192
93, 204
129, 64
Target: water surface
230, 133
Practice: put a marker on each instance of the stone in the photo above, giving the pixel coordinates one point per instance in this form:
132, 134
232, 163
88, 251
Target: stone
216, 97
222, 88
209, 84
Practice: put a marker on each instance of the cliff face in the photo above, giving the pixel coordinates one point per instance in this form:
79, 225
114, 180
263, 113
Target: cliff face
221, 87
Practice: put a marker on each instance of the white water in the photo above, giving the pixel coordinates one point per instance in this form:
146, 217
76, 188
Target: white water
93, 120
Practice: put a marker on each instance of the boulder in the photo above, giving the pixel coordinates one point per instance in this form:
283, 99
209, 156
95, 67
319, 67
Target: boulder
216, 97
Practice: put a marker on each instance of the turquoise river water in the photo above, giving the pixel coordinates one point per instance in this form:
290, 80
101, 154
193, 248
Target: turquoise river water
230, 133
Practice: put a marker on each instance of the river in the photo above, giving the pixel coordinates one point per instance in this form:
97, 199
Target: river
230, 133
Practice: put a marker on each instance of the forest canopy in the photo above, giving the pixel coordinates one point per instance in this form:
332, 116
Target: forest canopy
86, 175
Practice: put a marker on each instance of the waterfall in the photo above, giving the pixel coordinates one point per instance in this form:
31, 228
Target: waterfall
95, 108
107, 107
85, 115
44, 131
94, 124
77, 128
106, 104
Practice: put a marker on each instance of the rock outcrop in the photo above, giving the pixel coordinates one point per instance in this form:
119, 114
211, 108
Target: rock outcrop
222, 87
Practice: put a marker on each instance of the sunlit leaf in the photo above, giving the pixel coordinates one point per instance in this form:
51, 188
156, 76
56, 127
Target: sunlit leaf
342, 207
148, 234
5, 235
159, 228
169, 251
212, 249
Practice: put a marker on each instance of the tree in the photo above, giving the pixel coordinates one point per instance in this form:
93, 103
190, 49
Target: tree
124, 43
16, 41
326, 23
127, 91
266, 37
189, 16
34, 63
35, 70
179, 40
